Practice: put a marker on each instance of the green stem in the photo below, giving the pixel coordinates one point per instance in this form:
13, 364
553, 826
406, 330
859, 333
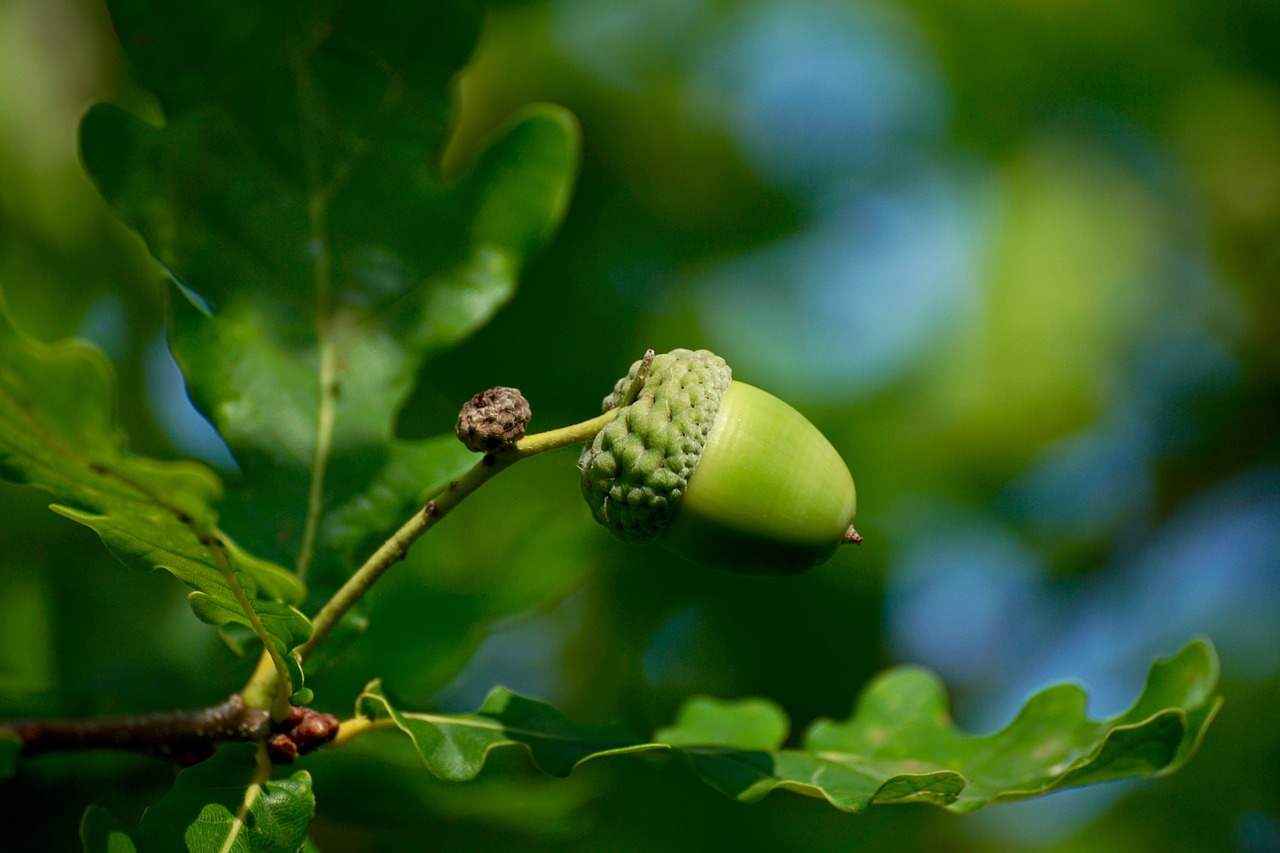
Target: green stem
320, 190
280, 698
349, 730
263, 771
541, 442
324, 446
397, 547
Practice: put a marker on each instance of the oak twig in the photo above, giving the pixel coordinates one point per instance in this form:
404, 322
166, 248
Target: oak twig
187, 736
190, 736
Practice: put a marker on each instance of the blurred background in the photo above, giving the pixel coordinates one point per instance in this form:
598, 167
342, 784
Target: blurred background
1018, 260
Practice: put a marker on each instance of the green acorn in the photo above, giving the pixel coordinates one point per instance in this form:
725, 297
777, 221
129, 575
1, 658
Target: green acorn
716, 470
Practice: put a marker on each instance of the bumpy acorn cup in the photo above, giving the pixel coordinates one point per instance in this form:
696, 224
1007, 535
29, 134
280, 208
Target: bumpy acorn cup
716, 470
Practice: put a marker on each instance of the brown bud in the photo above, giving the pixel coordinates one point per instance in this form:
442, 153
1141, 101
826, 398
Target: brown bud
314, 730
282, 749
493, 420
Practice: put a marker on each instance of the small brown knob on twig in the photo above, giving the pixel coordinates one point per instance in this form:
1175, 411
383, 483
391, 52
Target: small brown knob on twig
493, 420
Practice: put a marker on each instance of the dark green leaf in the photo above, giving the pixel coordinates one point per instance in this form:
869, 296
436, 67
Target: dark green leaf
434, 610
100, 832
202, 811
899, 746
294, 191
455, 747
58, 432
413, 470
10, 746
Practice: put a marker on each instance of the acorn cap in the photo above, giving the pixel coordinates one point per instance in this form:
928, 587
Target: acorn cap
637, 469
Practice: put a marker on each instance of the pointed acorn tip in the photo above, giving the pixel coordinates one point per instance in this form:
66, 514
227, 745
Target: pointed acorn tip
852, 537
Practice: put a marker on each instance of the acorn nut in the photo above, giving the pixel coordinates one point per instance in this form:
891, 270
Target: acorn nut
716, 470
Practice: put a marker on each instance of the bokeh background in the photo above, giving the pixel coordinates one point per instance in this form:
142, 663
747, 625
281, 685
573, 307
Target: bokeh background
1019, 260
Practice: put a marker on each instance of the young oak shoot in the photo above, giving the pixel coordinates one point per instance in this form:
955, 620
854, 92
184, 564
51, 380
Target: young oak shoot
770, 495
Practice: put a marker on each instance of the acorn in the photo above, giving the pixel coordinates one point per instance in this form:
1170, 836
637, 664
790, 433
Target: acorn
716, 471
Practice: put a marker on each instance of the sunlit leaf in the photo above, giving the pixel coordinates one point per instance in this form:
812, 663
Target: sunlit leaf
899, 746
294, 191
58, 432
748, 724
202, 810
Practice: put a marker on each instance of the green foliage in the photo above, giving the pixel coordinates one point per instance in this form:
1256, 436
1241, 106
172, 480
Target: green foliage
9, 748
58, 432
289, 178
899, 746
100, 832
455, 747
296, 194
221, 803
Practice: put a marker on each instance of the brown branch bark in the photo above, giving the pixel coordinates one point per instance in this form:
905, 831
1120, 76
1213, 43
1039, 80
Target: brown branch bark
188, 736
